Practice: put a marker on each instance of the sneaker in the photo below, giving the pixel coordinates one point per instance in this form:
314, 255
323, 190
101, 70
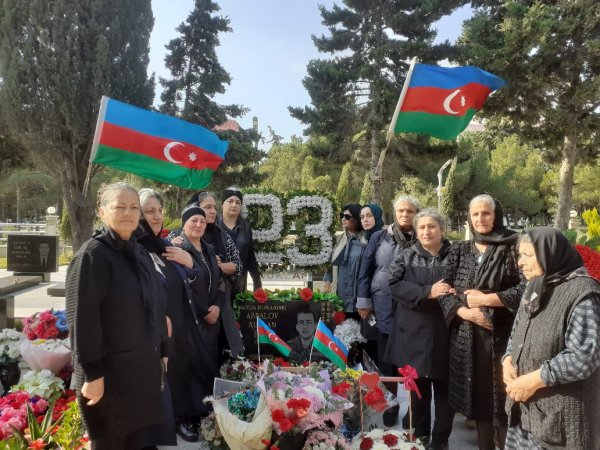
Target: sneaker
187, 432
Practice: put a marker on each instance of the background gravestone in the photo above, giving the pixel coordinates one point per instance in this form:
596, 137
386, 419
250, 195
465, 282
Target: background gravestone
32, 253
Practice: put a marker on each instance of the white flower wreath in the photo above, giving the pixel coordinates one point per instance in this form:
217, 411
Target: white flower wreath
270, 200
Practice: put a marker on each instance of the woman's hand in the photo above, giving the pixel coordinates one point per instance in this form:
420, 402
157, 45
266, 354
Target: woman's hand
364, 312
177, 240
509, 372
180, 256
523, 387
213, 315
474, 315
228, 268
93, 391
476, 298
440, 288
169, 326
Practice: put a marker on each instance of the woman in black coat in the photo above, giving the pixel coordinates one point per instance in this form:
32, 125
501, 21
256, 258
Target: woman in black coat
419, 336
113, 295
488, 286
207, 301
239, 229
176, 268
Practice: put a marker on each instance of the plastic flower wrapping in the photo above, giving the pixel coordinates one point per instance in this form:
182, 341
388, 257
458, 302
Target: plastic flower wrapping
325, 440
349, 332
50, 354
48, 324
10, 340
298, 403
378, 439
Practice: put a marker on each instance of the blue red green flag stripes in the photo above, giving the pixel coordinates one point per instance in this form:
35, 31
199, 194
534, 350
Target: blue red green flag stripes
441, 101
267, 336
155, 146
330, 346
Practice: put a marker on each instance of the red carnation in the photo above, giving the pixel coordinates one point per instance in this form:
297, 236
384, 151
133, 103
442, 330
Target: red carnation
278, 415
366, 444
591, 260
298, 403
390, 440
375, 399
260, 295
342, 389
339, 317
306, 294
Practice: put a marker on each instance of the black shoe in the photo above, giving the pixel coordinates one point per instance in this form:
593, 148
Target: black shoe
187, 431
390, 416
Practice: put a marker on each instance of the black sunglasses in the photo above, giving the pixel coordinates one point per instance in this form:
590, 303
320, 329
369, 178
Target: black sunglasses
346, 216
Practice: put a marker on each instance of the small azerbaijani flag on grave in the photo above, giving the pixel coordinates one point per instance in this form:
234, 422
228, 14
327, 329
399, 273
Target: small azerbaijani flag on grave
267, 336
441, 101
330, 346
155, 146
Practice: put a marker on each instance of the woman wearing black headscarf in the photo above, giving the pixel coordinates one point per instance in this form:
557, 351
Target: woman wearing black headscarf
113, 295
240, 231
552, 362
486, 278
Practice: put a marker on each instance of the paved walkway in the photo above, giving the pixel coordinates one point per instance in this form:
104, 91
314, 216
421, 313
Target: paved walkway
34, 299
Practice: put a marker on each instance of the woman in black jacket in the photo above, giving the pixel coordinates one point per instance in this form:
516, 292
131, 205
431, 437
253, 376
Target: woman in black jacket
488, 286
239, 229
419, 335
176, 268
207, 302
113, 293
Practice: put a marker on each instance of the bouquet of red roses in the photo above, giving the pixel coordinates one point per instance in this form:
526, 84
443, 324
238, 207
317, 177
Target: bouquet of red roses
49, 324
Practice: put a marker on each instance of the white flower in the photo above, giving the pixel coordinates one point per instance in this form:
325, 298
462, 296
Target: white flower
349, 332
273, 233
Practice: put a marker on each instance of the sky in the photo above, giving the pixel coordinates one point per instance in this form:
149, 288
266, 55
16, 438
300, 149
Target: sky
266, 54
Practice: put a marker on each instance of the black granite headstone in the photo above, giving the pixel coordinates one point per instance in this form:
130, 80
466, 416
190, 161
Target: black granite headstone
32, 253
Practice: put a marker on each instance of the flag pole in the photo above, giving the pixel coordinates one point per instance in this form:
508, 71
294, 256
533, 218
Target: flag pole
313, 342
258, 343
390, 131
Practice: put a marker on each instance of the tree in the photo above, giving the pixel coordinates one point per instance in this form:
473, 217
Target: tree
356, 91
548, 52
196, 77
57, 59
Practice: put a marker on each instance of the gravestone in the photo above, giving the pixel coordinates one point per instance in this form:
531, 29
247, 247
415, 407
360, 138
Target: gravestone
283, 318
32, 253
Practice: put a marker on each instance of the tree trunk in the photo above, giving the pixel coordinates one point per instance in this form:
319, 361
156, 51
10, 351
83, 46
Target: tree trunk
565, 190
81, 211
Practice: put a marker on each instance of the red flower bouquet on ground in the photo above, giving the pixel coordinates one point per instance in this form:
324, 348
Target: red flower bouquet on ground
47, 324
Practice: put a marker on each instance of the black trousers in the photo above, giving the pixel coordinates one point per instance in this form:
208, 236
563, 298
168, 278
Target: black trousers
444, 415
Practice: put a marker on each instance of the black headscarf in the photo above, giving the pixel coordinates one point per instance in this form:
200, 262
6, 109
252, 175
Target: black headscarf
557, 258
491, 271
147, 239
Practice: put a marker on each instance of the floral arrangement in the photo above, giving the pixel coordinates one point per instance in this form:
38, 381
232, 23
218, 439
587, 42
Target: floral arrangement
307, 295
325, 440
49, 324
240, 370
13, 411
43, 384
243, 404
384, 439
300, 403
591, 260
209, 429
274, 216
349, 333
9, 345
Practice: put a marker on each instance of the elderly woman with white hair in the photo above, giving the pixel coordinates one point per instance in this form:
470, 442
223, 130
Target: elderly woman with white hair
485, 275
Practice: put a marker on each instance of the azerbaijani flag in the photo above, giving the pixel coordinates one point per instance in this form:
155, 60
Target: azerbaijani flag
330, 346
441, 101
155, 146
267, 336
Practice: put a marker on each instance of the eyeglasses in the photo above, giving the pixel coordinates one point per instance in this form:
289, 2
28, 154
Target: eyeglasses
346, 216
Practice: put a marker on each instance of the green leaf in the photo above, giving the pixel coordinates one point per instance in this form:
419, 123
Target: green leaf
571, 235
593, 242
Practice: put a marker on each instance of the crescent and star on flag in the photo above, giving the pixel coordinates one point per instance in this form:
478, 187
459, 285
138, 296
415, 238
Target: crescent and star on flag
167, 152
449, 99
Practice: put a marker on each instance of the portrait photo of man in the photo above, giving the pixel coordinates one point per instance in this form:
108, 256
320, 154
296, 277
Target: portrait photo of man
306, 324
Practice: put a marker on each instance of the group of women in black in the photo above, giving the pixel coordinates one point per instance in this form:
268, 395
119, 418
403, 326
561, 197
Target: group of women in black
444, 309
150, 318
